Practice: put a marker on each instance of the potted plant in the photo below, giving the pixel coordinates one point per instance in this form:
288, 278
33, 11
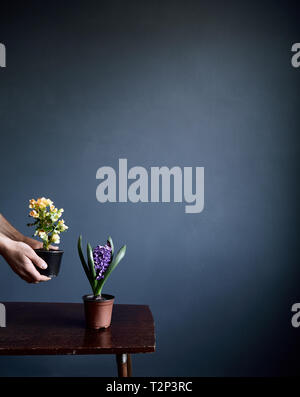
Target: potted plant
101, 261
48, 227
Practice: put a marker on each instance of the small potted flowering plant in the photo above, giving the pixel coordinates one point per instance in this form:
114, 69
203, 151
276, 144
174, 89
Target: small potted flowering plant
48, 227
101, 261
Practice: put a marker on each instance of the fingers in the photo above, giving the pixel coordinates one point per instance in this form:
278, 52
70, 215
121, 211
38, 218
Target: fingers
26, 272
33, 243
30, 273
21, 258
43, 278
37, 260
25, 277
37, 244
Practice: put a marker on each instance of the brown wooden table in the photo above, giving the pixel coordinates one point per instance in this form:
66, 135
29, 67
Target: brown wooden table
59, 328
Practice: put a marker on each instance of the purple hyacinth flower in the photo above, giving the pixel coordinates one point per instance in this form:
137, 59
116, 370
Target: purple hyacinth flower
102, 259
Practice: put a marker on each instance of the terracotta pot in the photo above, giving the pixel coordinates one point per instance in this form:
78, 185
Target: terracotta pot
98, 311
53, 260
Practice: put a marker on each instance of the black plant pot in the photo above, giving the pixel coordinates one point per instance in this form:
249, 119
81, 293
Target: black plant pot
53, 260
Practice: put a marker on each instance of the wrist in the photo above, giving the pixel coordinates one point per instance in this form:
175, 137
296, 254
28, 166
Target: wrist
4, 243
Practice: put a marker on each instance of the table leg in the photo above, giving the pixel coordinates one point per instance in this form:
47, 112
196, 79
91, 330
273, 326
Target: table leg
129, 365
122, 365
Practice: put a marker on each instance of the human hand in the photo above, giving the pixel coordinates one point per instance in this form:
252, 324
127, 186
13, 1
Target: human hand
21, 258
36, 244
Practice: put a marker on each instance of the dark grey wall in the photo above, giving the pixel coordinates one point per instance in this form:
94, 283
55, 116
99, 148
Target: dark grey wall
187, 83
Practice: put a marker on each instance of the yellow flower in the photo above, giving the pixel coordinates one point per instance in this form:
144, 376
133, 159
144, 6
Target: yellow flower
62, 225
32, 203
41, 202
55, 238
34, 214
42, 235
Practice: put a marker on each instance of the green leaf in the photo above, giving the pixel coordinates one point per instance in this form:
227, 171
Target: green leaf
110, 241
120, 255
91, 266
84, 264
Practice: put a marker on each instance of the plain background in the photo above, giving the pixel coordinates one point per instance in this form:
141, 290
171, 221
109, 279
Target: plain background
185, 83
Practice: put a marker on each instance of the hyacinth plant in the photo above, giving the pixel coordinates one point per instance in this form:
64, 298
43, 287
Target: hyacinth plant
101, 261
47, 223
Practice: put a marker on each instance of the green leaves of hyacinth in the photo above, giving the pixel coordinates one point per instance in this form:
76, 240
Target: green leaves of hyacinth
89, 266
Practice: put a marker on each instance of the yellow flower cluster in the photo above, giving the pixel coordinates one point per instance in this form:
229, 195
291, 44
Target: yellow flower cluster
39, 207
48, 225
40, 203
